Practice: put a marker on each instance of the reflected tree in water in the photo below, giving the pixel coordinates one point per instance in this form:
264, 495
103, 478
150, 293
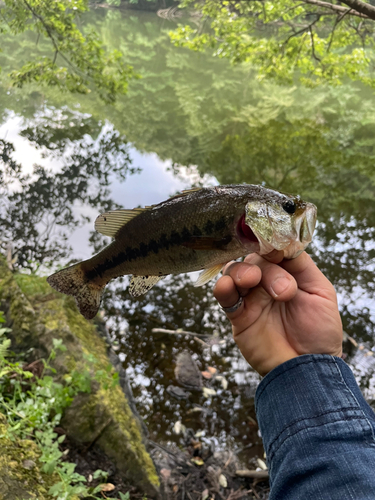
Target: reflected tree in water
150, 360
39, 211
194, 111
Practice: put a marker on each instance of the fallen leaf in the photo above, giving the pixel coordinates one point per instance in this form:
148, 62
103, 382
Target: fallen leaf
207, 392
223, 481
261, 464
165, 473
197, 461
175, 488
179, 427
107, 487
195, 409
252, 422
198, 434
205, 494
207, 375
223, 380
212, 370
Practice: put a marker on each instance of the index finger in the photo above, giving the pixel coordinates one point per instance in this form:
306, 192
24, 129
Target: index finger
308, 276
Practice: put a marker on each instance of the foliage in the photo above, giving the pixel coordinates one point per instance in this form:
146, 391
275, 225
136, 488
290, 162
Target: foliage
193, 109
75, 62
33, 407
38, 216
318, 43
11, 169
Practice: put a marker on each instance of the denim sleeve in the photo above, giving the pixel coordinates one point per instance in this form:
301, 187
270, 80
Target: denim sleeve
318, 431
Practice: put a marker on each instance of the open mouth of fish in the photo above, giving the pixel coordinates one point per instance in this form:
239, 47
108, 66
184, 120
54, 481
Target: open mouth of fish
292, 240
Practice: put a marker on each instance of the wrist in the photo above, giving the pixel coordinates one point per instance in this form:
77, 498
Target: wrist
268, 359
268, 365
273, 362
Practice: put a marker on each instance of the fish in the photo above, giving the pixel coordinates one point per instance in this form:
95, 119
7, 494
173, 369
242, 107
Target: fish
200, 228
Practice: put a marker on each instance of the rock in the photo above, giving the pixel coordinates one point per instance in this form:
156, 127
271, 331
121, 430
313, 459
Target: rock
20, 476
37, 315
28, 464
187, 372
177, 392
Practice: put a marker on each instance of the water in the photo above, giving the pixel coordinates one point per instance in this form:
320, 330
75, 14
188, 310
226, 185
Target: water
190, 115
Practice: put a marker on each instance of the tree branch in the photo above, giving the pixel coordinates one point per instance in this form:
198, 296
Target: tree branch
50, 35
313, 45
339, 18
364, 8
307, 28
339, 8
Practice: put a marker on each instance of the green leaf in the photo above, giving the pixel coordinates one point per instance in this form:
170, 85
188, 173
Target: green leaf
293, 39
79, 61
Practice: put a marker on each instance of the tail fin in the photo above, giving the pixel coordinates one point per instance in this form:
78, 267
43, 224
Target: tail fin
72, 281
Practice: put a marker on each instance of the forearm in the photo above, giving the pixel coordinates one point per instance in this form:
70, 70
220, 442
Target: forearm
318, 431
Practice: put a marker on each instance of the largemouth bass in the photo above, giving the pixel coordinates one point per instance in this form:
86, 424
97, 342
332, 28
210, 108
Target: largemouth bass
200, 228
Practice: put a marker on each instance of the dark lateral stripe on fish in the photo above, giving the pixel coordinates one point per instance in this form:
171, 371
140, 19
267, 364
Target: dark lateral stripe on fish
154, 246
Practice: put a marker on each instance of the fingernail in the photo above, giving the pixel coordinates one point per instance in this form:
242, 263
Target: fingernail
279, 286
241, 273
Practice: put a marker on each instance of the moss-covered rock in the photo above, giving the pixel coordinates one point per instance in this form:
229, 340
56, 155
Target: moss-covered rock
37, 315
20, 475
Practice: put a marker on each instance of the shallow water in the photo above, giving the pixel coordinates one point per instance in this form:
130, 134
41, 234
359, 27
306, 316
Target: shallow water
191, 115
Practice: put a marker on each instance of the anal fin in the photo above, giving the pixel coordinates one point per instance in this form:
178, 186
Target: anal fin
139, 285
208, 274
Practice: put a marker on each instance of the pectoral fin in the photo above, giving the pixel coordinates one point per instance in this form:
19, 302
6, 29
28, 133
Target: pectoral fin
209, 274
139, 285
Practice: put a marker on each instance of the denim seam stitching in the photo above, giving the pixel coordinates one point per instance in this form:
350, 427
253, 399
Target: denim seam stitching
292, 368
314, 417
335, 370
355, 399
272, 453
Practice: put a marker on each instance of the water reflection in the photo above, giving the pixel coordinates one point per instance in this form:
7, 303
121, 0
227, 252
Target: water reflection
37, 214
226, 418
192, 110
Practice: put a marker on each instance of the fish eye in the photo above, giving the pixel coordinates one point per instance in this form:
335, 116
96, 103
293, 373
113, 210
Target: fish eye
290, 207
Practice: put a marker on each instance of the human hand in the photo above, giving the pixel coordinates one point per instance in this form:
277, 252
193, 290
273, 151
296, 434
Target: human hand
289, 309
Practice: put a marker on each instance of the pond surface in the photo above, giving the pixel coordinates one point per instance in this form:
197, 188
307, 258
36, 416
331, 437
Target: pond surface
189, 119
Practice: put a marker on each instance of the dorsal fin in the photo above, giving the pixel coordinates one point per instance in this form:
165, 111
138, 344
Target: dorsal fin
111, 222
184, 193
190, 190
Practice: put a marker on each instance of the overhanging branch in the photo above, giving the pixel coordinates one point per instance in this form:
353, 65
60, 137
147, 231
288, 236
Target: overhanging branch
362, 7
340, 9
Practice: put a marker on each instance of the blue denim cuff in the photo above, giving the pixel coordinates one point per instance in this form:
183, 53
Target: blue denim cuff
307, 392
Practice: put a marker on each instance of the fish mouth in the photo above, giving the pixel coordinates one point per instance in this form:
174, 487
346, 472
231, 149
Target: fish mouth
292, 237
305, 225
245, 233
